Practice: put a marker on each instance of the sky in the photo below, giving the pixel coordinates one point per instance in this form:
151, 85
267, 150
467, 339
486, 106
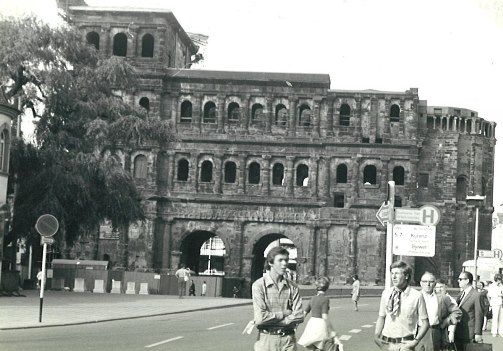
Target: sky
452, 50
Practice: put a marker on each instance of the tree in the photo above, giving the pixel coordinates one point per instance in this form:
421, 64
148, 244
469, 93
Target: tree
76, 96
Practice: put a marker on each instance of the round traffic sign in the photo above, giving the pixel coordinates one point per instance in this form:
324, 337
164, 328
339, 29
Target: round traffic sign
429, 215
47, 225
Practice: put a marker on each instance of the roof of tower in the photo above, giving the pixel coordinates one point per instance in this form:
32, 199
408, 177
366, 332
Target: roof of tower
322, 80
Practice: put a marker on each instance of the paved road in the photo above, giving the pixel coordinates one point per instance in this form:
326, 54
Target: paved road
218, 330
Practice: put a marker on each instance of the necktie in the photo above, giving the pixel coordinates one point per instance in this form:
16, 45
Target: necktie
460, 298
394, 302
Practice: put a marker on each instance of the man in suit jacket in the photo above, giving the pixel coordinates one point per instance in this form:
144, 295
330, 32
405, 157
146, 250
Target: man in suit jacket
469, 329
442, 313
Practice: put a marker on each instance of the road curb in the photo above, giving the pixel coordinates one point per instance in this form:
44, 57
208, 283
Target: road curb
125, 318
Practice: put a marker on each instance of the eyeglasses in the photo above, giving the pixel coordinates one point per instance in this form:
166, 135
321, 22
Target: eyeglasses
462, 278
428, 281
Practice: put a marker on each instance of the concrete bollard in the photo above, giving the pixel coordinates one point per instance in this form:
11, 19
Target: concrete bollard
99, 286
116, 287
131, 288
79, 285
143, 289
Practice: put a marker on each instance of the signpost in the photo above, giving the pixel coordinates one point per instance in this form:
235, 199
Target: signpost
414, 240
47, 225
496, 253
383, 214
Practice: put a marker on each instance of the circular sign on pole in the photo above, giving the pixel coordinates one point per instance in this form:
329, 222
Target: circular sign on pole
429, 215
47, 225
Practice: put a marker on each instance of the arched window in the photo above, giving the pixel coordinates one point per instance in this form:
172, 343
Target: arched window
342, 174
344, 116
147, 46
230, 172
304, 116
302, 175
399, 175
254, 173
183, 170
278, 174
3, 145
461, 188
206, 171
233, 113
186, 112
93, 38
120, 45
394, 114
140, 167
210, 112
257, 113
429, 122
370, 175
281, 116
145, 103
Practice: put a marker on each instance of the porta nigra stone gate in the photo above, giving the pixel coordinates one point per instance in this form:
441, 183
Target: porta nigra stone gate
262, 156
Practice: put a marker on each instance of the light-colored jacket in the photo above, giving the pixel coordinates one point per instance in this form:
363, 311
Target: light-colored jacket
495, 294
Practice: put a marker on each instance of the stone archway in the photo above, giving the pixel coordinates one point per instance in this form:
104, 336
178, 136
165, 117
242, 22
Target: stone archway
196, 249
263, 244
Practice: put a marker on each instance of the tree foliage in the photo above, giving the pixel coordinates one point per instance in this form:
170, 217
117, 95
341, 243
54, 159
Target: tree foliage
76, 96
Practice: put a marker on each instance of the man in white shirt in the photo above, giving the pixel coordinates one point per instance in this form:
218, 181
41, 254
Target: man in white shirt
442, 313
400, 310
495, 295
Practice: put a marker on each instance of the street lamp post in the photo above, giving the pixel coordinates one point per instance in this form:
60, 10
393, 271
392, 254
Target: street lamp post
476, 201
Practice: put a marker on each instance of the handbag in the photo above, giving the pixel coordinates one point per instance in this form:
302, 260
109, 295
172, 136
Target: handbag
479, 346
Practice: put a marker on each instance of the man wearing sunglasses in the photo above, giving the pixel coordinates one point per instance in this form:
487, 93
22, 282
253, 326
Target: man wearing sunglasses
469, 328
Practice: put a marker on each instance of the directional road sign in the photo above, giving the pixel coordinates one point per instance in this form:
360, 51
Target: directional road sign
414, 240
383, 215
426, 215
496, 253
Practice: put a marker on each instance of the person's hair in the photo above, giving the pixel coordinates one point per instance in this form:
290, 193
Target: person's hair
407, 270
497, 276
483, 285
204, 281
469, 276
355, 276
322, 284
275, 251
433, 275
182, 265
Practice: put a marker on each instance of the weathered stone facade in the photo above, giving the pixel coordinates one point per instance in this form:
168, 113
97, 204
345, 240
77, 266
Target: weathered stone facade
258, 156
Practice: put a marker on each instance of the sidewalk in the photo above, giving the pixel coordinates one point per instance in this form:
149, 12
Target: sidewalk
66, 308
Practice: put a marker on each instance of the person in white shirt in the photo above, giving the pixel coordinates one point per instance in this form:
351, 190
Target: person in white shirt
442, 313
495, 295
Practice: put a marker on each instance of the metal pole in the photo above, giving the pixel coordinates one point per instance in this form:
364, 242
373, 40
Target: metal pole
476, 247
42, 285
30, 261
389, 232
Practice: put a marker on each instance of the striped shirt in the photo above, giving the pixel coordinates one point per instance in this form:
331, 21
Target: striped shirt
271, 301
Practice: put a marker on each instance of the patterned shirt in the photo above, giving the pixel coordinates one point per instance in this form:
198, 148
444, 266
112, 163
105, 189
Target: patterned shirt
270, 301
412, 308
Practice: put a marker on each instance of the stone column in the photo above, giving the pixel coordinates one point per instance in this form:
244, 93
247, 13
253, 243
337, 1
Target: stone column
316, 118
269, 115
245, 115
313, 253
167, 243
105, 44
158, 244
289, 175
160, 50
358, 114
313, 176
217, 186
324, 177
322, 250
386, 173
330, 117
242, 174
194, 160
353, 247
356, 177
171, 168
197, 111
131, 52
239, 234
266, 170
221, 114
292, 122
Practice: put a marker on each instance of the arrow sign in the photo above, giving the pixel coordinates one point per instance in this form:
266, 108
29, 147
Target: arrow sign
383, 214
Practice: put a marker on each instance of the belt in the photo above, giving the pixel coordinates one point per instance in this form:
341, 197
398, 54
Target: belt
277, 331
436, 326
397, 340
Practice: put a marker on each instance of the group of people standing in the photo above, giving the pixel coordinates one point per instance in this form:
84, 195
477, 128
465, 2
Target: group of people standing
183, 276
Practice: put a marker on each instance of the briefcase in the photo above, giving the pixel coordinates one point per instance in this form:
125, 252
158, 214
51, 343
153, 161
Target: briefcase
478, 346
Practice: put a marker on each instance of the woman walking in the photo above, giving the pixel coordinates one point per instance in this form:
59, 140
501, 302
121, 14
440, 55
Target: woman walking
319, 333
355, 294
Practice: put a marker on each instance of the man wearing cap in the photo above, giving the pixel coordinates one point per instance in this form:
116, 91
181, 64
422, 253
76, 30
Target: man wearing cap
400, 311
277, 308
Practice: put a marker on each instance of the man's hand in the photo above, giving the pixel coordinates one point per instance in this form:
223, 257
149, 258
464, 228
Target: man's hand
378, 340
287, 313
478, 338
451, 336
409, 345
